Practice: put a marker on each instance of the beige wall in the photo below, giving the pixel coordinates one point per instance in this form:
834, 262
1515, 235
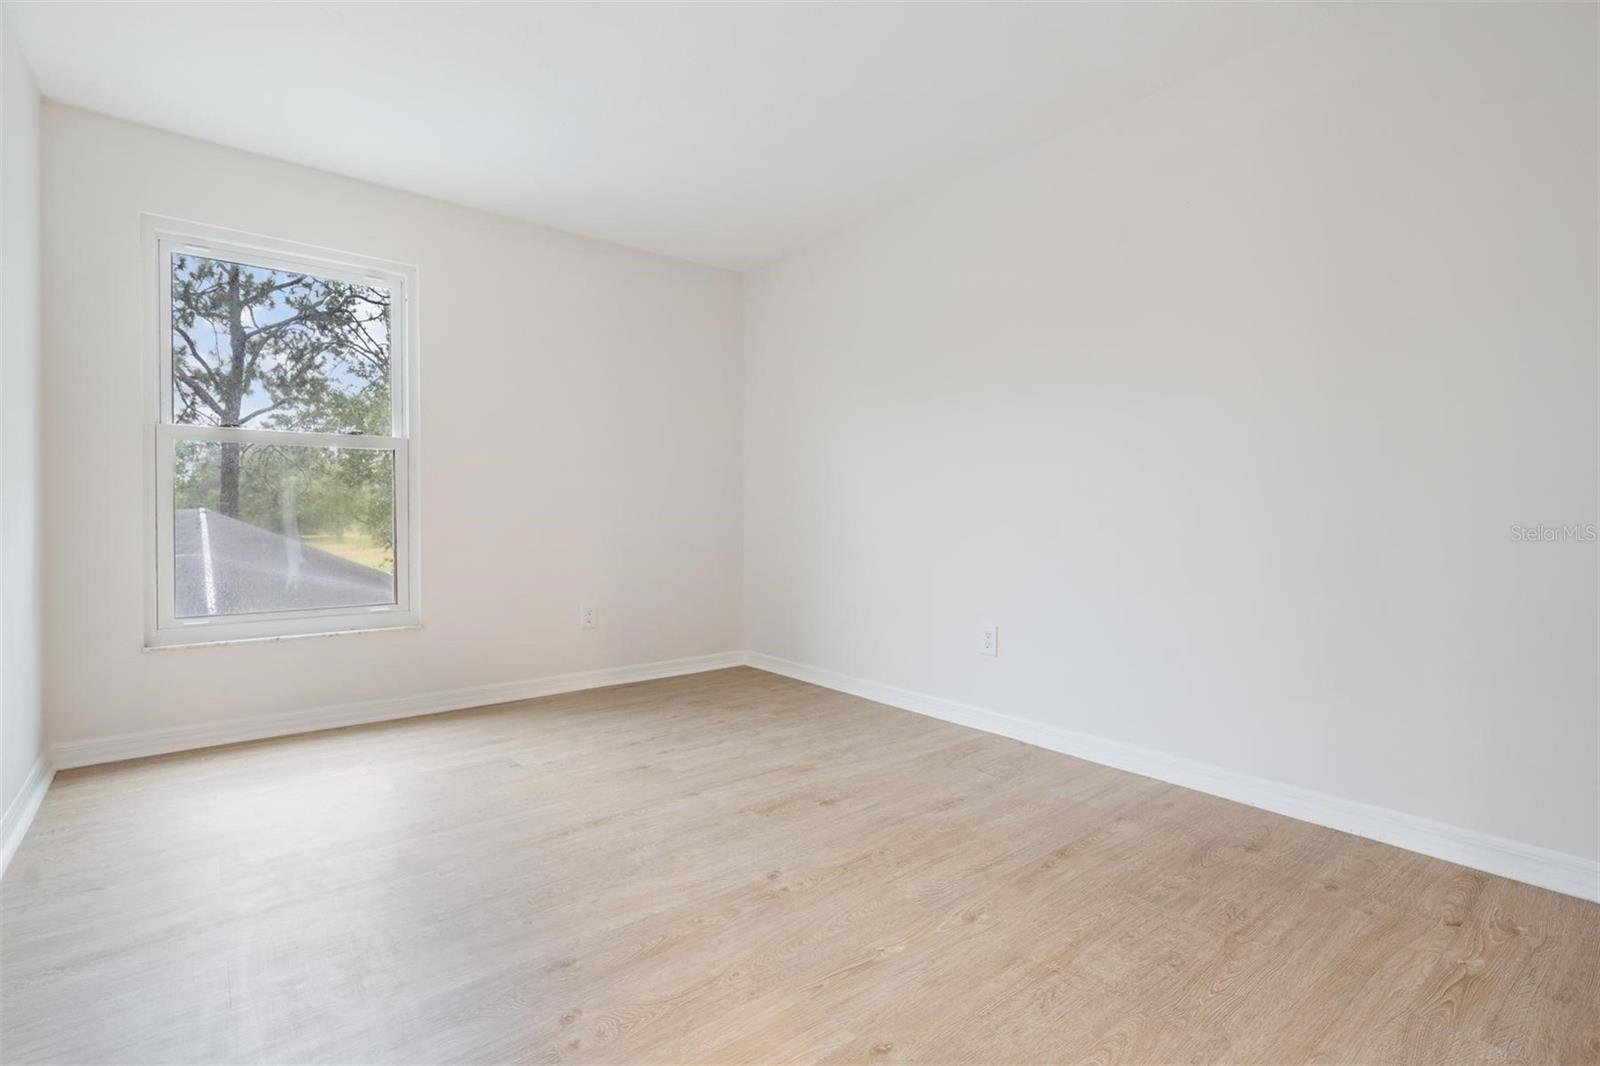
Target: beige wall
1223, 409
21, 710
579, 441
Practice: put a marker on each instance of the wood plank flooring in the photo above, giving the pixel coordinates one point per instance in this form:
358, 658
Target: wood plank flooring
736, 867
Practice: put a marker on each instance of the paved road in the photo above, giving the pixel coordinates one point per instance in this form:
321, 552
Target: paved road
254, 569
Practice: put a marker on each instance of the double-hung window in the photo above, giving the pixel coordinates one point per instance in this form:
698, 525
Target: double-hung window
282, 439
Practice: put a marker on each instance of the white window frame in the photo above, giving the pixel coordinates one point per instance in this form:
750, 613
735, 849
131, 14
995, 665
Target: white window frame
161, 238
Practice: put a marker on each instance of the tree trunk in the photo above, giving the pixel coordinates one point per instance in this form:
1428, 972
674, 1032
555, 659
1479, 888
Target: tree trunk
234, 397
229, 470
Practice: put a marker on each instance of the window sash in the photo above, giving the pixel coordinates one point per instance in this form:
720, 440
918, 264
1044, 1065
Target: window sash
163, 627
279, 623
399, 309
240, 435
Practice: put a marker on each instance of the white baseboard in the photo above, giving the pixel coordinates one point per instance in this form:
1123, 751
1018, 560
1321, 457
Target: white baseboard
23, 806
67, 754
1558, 871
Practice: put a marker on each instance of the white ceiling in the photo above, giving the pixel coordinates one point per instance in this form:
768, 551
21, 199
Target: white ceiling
728, 134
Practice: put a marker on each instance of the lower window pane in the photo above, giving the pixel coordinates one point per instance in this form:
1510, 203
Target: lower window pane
267, 527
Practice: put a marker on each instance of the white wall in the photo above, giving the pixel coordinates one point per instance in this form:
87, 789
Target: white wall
21, 709
1223, 408
580, 440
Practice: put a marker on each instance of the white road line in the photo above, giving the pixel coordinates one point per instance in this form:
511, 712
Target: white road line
205, 563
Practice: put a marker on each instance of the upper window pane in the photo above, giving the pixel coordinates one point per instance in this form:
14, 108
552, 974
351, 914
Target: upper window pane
277, 349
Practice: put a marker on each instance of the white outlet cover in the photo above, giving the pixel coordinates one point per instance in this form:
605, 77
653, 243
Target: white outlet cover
989, 641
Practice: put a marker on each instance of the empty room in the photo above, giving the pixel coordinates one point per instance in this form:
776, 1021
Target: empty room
799, 532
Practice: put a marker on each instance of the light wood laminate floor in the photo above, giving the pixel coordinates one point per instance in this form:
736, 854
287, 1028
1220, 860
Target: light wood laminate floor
736, 867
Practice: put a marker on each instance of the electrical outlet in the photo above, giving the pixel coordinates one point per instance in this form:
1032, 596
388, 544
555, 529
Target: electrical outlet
588, 616
990, 643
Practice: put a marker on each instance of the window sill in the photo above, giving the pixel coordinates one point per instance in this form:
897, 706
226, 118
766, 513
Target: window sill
222, 641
